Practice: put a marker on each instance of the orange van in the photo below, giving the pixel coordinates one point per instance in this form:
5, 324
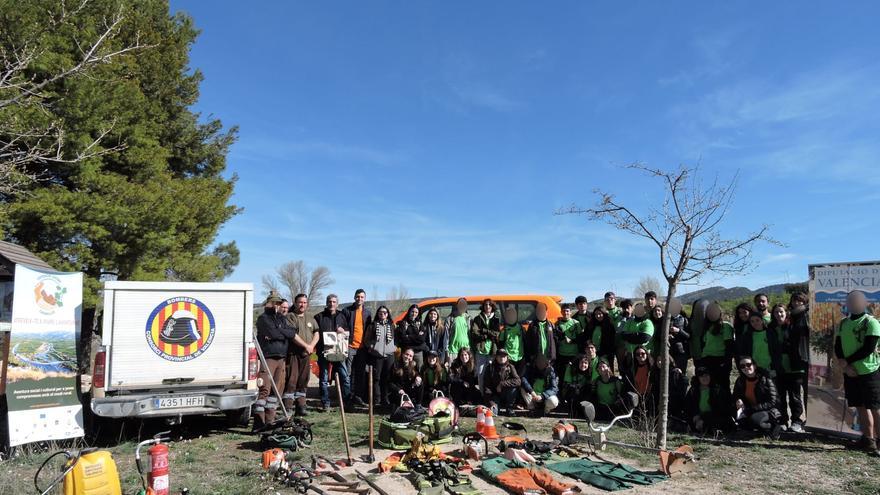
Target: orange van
524, 305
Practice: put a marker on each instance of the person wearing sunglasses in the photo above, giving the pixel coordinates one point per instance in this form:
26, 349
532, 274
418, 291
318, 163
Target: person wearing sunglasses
756, 400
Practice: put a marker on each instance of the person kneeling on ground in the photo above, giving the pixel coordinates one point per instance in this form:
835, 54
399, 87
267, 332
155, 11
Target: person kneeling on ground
500, 383
756, 399
607, 397
435, 377
405, 379
540, 387
579, 377
708, 404
463, 379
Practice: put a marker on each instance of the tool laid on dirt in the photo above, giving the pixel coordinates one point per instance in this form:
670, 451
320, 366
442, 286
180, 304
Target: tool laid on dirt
672, 462
372, 483
475, 446
157, 481
371, 457
86, 472
344, 425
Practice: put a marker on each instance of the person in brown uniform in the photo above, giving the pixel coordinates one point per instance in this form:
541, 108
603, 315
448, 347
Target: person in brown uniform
300, 351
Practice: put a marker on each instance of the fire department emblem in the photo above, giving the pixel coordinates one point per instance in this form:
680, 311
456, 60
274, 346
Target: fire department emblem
180, 329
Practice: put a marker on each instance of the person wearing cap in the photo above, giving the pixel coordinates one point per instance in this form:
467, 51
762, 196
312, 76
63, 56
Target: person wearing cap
540, 386
582, 315
756, 399
273, 335
708, 404
500, 383
511, 340
855, 346
435, 377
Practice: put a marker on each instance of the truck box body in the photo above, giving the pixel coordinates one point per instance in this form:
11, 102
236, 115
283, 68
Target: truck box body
175, 348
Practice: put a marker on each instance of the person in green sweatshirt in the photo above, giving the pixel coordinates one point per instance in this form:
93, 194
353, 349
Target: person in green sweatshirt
610, 305
607, 394
511, 339
856, 349
457, 327
762, 305
582, 313
638, 331
716, 346
761, 344
568, 334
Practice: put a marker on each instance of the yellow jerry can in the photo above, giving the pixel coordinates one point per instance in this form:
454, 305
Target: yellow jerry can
93, 474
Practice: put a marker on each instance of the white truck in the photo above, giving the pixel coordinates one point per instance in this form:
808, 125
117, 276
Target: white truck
171, 349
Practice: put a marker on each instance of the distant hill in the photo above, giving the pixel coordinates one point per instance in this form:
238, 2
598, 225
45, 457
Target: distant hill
725, 294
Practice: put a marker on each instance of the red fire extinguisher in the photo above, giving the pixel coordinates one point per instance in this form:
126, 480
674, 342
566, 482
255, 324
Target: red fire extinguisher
157, 479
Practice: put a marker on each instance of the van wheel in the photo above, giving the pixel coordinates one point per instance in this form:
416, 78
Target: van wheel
238, 417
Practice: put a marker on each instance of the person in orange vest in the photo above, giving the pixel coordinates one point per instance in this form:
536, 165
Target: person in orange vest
358, 319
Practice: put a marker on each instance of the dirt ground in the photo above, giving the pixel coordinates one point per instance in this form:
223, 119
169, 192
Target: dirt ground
207, 457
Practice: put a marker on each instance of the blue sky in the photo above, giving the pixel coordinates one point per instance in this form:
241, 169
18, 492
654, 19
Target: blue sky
429, 143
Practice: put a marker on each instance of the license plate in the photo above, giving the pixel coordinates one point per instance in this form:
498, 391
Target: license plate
183, 401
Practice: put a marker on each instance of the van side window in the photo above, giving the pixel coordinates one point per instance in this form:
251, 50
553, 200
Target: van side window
444, 310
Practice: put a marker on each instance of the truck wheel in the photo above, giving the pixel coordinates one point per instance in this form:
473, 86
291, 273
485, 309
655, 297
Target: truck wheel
238, 417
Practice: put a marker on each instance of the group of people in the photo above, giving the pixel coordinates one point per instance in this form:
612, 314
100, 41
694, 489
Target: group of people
605, 359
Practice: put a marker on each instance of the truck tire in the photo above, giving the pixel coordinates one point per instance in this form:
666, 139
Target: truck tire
238, 417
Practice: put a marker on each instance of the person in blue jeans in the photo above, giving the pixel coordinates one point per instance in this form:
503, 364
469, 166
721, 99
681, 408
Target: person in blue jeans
331, 320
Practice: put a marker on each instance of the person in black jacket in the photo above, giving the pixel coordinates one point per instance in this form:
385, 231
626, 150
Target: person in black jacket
500, 383
329, 320
436, 336
483, 336
756, 399
463, 383
741, 320
405, 379
642, 377
796, 345
411, 335
273, 335
708, 406
538, 339
602, 334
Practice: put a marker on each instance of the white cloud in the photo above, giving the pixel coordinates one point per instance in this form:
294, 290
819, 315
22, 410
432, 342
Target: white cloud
277, 147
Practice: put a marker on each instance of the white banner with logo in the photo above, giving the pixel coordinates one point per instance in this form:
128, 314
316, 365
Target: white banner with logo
829, 285
42, 373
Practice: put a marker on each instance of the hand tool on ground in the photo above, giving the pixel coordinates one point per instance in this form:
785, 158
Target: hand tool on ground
344, 484
344, 425
372, 483
317, 490
371, 457
672, 462
359, 491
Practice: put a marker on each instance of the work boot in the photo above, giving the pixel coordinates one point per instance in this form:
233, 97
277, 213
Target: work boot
867, 444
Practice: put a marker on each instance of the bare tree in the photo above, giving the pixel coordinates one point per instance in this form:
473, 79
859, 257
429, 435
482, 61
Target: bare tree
686, 229
397, 299
646, 284
297, 278
26, 145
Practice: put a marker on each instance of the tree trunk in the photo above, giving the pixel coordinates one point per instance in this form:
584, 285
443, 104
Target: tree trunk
663, 354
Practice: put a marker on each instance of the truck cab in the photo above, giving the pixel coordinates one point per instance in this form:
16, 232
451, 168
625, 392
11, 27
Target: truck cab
171, 349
